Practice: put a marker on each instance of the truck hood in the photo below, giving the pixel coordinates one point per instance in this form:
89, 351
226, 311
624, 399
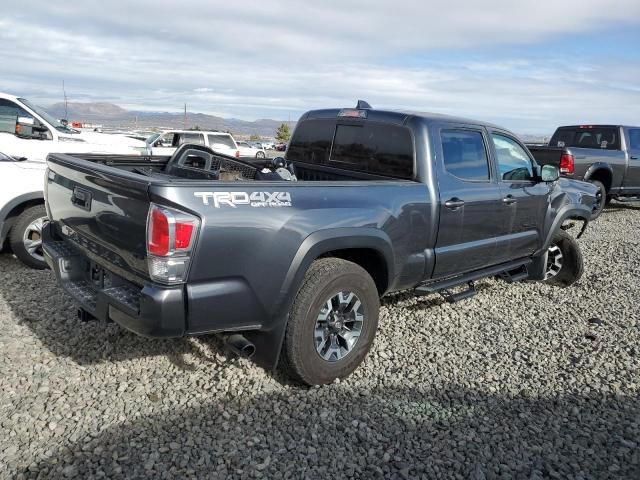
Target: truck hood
99, 143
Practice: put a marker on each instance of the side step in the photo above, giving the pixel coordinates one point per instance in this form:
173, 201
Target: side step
627, 199
514, 271
457, 296
516, 275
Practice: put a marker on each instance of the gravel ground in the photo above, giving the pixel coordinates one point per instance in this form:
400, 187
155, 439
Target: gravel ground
522, 381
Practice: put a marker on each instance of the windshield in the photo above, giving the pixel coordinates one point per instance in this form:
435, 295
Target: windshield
48, 118
152, 138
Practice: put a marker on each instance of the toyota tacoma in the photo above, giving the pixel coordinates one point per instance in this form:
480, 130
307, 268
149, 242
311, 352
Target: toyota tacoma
288, 263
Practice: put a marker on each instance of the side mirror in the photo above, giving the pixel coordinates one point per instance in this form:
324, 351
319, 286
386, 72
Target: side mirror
549, 173
25, 127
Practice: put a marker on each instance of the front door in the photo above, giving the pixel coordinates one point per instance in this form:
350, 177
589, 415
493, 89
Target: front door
524, 198
632, 177
12, 144
471, 213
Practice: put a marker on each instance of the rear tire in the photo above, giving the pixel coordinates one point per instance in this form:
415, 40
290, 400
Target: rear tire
564, 261
601, 199
332, 322
26, 237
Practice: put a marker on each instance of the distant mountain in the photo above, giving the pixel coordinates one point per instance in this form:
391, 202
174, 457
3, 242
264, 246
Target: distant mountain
114, 116
97, 109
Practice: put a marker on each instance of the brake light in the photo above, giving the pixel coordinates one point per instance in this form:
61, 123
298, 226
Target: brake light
158, 233
183, 235
567, 164
237, 153
170, 238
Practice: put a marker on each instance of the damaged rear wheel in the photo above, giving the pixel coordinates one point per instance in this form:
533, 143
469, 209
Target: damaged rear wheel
564, 261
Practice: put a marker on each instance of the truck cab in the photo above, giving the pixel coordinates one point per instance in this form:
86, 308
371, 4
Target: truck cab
27, 130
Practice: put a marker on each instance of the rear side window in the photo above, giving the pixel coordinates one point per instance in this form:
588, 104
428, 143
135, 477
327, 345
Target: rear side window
606, 138
311, 142
379, 149
196, 138
221, 140
634, 138
465, 155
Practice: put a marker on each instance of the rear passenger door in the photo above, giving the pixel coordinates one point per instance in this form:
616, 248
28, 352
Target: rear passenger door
524, 198
471, 214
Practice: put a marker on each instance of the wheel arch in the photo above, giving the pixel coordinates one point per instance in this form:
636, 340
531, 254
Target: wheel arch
568, 212
14, 208
601, 172
368, 247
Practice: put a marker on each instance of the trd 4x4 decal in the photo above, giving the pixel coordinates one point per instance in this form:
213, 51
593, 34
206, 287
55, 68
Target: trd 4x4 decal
255, 199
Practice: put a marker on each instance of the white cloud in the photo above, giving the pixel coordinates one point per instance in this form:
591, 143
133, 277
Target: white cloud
251, 59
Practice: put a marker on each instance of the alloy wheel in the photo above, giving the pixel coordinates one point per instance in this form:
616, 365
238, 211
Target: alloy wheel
554, 262
338, 326
32, 239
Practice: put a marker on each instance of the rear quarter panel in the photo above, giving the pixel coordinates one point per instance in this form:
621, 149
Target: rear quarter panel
260, 245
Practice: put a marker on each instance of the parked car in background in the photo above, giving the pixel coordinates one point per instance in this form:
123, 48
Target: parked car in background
167, 142
606, 155
27, 130
268, 145
281, 147
281, 268
248, 150
22, 210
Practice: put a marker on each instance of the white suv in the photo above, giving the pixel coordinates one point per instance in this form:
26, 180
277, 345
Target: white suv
26, 130
168, 141
22, 210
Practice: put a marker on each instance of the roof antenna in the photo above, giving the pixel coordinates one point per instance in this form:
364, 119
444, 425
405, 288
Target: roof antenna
362, 105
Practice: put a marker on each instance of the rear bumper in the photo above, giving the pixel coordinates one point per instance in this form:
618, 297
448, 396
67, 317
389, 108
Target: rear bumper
150, 311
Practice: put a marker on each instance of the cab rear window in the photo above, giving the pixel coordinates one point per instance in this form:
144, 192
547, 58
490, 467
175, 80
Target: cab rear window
606, 138
368, 147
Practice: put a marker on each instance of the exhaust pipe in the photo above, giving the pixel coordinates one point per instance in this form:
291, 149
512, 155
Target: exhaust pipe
239, 345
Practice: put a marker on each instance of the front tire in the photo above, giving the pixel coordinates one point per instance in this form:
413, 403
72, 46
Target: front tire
332, 322
601, 199
26, 237
564, 261
260, 155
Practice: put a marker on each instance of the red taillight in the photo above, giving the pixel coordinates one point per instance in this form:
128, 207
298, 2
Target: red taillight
237, 153
567, 165
169, 231
159, 239
183, 235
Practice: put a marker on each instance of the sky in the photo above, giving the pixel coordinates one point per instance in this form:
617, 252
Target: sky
526, 65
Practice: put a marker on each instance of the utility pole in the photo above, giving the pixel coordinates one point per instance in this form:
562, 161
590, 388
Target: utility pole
64, 92
184, 122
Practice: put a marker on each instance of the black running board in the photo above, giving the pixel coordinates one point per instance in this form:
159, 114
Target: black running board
512, 272
623, 199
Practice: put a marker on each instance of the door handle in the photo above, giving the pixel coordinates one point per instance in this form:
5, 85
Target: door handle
454, 203
633, 158
509, 200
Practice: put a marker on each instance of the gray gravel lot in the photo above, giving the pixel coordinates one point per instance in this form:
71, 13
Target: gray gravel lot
523, 381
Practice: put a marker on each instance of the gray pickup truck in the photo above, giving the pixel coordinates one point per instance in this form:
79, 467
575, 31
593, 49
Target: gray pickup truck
289, 262
606, 155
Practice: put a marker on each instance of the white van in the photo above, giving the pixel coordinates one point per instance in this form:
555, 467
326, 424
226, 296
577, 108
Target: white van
28, 131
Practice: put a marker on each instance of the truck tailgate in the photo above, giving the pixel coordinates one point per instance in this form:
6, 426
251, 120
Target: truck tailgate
101, 209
